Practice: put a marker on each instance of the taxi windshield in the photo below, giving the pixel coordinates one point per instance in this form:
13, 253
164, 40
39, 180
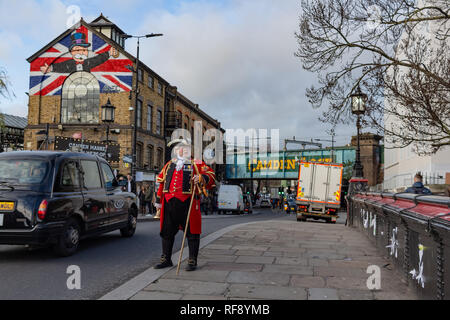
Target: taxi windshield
23, 172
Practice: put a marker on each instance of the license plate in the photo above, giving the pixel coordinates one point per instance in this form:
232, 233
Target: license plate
6, 206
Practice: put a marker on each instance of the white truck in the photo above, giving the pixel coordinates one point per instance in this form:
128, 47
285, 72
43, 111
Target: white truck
319, 191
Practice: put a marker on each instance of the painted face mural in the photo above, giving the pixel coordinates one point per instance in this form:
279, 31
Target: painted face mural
80, 51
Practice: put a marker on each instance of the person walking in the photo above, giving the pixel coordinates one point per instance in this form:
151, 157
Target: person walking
418, 187
148, 197
177, 182
142, 204
131, 185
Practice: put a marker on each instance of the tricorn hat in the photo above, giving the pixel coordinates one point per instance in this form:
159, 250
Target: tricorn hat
178, 142
78, 39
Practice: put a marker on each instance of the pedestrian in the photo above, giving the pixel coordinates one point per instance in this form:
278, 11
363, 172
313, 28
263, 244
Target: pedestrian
142, 204
203, 204
418, 187
122, 186
148, 200
175, 193
131, 185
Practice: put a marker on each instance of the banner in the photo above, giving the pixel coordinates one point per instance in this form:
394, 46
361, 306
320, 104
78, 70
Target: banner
87, 146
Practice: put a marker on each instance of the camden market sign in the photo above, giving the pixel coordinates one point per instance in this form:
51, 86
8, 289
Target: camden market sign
88, 146
289, 164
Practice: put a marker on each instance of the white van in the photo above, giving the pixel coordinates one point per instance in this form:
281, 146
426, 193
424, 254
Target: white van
230, 198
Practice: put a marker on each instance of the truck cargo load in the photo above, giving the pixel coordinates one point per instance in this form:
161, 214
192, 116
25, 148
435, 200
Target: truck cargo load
319, 191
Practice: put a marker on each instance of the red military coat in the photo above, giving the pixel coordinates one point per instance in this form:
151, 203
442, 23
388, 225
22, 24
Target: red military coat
179, 184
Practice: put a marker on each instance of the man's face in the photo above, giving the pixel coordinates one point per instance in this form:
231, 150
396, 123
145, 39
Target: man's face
79, 54
184, 151
128, 177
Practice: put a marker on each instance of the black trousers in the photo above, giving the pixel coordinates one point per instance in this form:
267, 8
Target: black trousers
175, 215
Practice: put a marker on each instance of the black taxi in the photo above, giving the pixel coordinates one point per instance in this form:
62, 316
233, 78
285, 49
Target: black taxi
57, 198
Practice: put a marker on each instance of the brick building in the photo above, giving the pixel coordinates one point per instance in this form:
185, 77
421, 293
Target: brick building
77, 73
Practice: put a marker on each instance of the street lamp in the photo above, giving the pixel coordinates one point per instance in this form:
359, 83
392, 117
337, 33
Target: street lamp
358, 108
136, 91
108, 111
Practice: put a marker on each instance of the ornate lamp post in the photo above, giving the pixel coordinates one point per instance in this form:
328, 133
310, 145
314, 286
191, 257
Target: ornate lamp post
108, 111
358, 108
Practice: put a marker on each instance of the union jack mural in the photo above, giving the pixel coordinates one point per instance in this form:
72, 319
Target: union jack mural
81, 50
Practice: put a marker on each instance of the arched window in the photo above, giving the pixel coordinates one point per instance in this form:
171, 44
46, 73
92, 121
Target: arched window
80, 99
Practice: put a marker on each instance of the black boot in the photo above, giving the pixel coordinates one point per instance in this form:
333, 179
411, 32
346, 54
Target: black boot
194, 245
166, 260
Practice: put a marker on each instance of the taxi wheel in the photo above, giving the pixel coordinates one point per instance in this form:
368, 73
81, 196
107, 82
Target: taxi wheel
130, 229
69, 239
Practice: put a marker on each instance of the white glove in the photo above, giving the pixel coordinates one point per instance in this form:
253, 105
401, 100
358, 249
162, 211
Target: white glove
158, 205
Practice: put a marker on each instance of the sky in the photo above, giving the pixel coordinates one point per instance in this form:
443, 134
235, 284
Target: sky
235, 58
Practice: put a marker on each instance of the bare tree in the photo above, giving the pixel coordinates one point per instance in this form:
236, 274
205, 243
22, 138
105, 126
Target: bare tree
397, 51
4, 84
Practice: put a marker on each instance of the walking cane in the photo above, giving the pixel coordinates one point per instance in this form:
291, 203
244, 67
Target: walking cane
185, 229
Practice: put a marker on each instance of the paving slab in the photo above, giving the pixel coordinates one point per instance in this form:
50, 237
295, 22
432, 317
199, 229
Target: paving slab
300, 261
266, 278
233, 266
254, 259
249, 253
266, 292
288, 269
286, 260
322, 294
307, 281
202, 275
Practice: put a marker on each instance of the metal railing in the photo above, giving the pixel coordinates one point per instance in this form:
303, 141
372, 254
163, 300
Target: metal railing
413, 231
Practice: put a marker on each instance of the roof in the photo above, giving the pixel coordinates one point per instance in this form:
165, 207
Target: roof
102, 21
14, 121
47, 154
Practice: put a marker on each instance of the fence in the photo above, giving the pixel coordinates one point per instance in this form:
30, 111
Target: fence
413, 230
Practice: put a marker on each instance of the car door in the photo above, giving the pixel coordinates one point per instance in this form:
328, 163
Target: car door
94, 194
67, 194
116, 204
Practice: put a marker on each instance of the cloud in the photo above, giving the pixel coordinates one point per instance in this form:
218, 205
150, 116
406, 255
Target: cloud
236, 59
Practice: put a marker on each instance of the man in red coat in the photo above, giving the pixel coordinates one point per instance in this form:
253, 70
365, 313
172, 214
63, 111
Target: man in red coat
176, 183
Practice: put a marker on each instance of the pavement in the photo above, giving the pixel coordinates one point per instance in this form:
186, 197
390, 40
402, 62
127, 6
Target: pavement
275, 260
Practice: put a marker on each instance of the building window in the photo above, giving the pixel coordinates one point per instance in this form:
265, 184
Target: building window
139, 155
150, 156
140, 75
80, 100
158, 122
179, 119
149, 117
160, 88
139, 114
159, 159
151, 82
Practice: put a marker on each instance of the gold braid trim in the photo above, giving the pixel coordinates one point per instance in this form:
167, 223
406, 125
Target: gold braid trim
164, 171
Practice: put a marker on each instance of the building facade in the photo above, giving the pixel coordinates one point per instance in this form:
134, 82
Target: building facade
79, 72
